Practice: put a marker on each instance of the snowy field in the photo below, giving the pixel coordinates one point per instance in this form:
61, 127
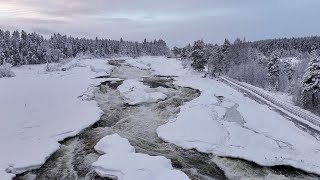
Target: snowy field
224, 122
38, 109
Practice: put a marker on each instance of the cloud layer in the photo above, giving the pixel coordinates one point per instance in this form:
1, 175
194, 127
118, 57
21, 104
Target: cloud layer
177, 21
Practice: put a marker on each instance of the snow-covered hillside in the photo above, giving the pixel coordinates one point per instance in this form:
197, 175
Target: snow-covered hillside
38, 109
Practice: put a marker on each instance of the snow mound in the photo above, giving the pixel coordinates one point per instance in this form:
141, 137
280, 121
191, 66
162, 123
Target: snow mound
76, 62
121, 162
113, 143
97, 70
136, 93
51, 67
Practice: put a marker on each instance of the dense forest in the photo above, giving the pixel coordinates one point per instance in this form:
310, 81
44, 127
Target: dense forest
19, 48
287, 46
286, 65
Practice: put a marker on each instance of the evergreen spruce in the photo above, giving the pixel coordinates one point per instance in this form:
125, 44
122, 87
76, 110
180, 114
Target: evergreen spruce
274, 70
184, 53
198, 56
311, 81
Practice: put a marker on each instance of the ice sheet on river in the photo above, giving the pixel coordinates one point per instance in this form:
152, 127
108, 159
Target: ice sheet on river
120, 161
135, 92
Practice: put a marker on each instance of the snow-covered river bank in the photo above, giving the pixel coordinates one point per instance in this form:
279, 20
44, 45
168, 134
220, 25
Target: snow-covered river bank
39, 108
137, 97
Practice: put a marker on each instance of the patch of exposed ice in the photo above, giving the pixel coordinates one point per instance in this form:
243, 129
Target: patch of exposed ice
135, 92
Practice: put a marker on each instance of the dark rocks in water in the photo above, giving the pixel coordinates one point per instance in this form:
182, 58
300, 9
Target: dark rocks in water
161, 76
112, 84
116, 63
156, 82
101, 77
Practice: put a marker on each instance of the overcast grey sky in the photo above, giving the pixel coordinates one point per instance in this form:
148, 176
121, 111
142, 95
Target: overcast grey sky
177, 21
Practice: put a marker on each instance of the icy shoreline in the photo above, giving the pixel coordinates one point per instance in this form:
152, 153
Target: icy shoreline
38, 109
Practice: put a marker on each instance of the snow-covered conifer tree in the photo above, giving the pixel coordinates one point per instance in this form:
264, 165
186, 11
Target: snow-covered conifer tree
224, 52
2, 58
274, 70
2, 48
198, 56
225, 47
288, 70
184, 53
311, 81
176, 51
216, 62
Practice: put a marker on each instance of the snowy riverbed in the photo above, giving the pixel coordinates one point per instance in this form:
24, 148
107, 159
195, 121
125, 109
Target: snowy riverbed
38, 109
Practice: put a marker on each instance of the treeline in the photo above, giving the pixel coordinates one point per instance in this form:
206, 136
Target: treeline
20, 48
287, 46
286, 65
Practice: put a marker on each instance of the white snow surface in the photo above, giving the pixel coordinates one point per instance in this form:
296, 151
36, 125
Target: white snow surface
121, 162
38, 109
224, 122
291, 60
284, 97
160, 65
114, 143
135, 92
